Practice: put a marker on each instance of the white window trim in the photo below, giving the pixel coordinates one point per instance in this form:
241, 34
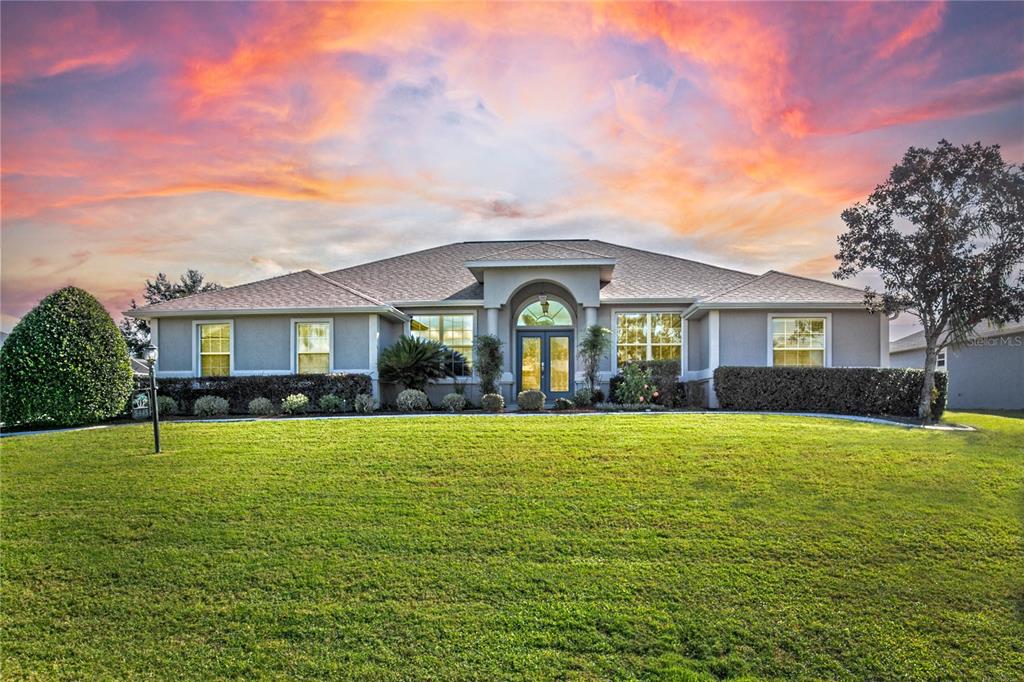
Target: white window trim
443, 313
944, 356
683, 334
197, 365
293, 345
770, 362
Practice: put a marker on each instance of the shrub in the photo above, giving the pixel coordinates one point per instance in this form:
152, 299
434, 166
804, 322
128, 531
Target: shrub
694, 393
261, 406
364, 403
412, 362
166, 405
297, 403
634, 386
210, 406
583, 398
65, 363
625, 407
530, 401
840, 390
411, 400
563, 404
492, 402
594, 345
332, 403
453, 402
664, 377
489, 360
239, 391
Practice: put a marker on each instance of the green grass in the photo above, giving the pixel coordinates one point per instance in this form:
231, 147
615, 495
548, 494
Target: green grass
661, 546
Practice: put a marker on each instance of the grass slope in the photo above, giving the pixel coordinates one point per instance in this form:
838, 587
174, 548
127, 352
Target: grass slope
664, 546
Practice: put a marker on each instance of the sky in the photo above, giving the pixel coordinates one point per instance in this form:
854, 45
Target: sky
250, 140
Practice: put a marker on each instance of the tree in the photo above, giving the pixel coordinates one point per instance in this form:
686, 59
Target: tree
490, 361
64, 364
594, 345
412, 361
136, 332
945, 232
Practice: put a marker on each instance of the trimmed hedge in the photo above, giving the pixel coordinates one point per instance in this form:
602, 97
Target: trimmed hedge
839, 390
64, 364
239, 391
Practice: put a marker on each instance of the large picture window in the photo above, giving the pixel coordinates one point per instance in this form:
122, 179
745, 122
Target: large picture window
454, 331
648, 336
312, 347
215, 349
798, 341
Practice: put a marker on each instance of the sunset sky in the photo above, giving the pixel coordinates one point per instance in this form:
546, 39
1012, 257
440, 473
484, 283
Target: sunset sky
249, 140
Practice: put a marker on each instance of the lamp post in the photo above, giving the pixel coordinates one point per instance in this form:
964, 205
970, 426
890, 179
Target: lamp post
154, 409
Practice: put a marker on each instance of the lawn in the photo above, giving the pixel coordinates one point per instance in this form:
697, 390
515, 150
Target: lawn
660, 546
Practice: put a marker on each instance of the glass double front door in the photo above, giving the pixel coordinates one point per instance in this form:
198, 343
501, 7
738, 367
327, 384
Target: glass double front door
546, 363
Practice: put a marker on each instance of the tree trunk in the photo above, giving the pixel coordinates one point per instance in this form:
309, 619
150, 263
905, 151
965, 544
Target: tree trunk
931, 355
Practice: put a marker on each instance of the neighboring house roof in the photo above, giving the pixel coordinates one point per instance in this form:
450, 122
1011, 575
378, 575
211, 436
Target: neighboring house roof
440, 273
303, 290
915, 341
779, 287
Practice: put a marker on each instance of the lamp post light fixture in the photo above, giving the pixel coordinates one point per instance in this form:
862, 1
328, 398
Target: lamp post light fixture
151, 353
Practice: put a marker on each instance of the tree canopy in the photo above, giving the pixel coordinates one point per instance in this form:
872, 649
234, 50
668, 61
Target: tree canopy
136, 332
945, 232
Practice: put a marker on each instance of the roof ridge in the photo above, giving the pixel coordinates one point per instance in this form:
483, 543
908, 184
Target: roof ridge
347, 288
723, 292
230, 288
816, 281
535, 242
674, 257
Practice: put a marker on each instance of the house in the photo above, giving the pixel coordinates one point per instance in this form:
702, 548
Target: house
985, 372
538, 297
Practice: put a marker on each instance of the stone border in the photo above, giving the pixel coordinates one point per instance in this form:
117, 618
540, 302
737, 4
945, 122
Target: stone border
513, 414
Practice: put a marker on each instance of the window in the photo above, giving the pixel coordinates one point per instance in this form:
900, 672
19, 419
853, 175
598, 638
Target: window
454, 331
545, 313
940, 361
312, 347
648, 336
215, 349
798, 341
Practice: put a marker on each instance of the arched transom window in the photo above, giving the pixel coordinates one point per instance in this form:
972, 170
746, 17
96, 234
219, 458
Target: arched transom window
545, 313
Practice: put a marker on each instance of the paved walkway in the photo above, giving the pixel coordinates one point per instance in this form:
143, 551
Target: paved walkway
515, 414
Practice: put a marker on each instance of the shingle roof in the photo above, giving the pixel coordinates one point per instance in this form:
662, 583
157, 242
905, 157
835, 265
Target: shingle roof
779, 287
439, 274
983, 330
298, 290
543, 251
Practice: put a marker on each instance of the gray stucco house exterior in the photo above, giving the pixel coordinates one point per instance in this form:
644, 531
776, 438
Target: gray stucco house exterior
986, 372
537, 297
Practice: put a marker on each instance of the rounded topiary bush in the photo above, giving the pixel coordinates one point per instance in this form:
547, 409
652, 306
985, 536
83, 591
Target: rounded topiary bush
332, 403
211, 406
64, 364
411, 400
530, 401
262, 407
492, 402
364, 403
563, 404
296, 403
454, 402
166, 405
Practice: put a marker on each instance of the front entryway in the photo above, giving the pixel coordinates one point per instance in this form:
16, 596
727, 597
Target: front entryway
545, 363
